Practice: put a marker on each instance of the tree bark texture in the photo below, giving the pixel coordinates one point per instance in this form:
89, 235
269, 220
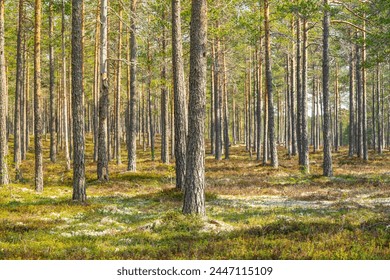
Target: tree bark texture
79, 188
180, 106
194, 196
327, 164
268, 75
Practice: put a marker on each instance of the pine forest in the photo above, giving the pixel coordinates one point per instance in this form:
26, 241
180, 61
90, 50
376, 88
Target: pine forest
202, 129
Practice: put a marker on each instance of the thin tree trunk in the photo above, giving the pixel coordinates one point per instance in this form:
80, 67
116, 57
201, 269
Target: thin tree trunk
292, 93
38, 122
23, 104
304, 153
217, 103
132, 156
259, 94
378, 110
96, 87
359, 96
102, 164
18, 93
118, 129
268, 75
364, 89
225, 109
64, 92
351, 137
164, 101
4, 179
327, 164
180, 106
53, 144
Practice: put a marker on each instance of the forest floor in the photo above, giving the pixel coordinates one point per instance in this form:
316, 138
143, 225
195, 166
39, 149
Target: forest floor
253, 212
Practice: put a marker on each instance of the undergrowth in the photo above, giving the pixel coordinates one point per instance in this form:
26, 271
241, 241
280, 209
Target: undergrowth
253, 212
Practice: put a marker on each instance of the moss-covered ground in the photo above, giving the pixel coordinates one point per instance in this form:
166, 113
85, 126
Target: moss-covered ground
253, 212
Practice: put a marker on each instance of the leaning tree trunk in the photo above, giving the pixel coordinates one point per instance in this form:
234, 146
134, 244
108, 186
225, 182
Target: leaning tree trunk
79, 190
102, 164
194, 197
179, 96
268, 77
133, 94
38, 122
327, 165
3, 102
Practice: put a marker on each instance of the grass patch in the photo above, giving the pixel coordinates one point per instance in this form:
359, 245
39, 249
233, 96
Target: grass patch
253, 212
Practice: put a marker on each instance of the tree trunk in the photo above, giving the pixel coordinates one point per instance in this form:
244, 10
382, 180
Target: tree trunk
132, 155
102, 165
18, 93
180, 106
79, 188
359, 95
164, 100
194, 197
259, 94
268, 75
53, 144
96, 87
118, 130
327, 164
378, 110
64, 91
292, 93
225, 110
38, 99
364, 89
3, 105
304, 152
23, 104
336, 110
217, 103
351, 137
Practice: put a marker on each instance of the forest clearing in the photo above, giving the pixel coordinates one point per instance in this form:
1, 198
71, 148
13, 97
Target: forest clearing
253, 212
202, 129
